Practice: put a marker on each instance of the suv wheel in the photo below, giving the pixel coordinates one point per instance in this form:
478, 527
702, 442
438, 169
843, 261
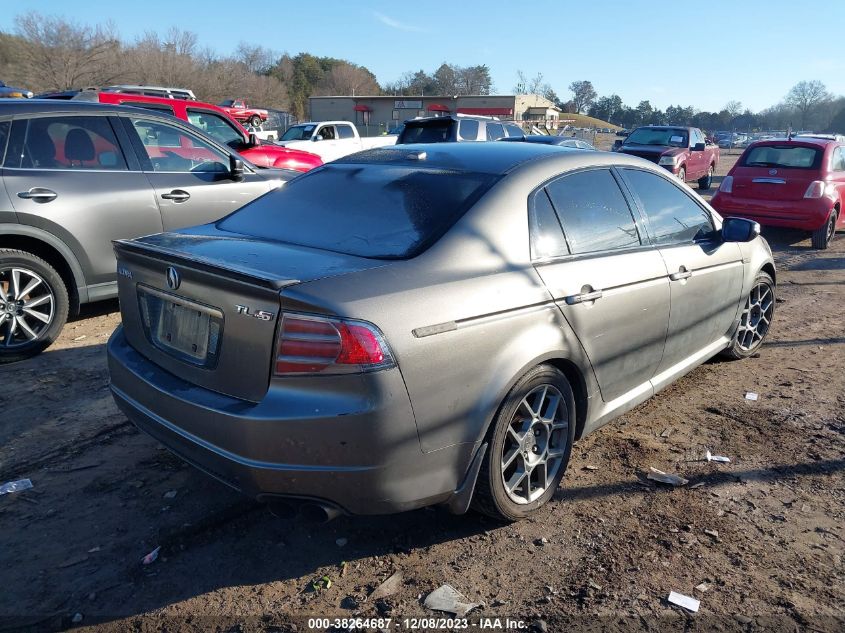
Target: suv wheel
824, 235
755, 318
529, 445
33, 305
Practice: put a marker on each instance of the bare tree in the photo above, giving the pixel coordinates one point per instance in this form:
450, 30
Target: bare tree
348, 79
806, 97
59, 54
733, 108
583, 95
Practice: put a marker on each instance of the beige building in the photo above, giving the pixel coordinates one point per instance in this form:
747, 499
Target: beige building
373, 115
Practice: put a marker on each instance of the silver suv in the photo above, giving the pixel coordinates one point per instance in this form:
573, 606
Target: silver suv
456, 129
79, 175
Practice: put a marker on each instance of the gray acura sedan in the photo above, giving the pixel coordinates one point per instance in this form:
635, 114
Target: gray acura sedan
430, 324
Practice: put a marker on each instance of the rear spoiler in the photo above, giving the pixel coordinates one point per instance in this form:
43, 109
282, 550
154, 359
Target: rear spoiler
240, 273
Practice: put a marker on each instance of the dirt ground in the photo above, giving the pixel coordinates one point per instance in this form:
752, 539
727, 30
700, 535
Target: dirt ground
759, 541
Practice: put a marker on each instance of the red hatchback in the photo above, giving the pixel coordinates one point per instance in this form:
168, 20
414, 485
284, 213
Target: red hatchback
792, 183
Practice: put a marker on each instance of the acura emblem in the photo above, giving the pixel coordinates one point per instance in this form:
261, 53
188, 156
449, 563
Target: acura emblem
173, 279
773, 172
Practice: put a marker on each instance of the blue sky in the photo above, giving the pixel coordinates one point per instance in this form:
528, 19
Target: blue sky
694, 53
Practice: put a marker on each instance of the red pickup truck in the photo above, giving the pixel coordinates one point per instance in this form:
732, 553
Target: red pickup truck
682, 150
212, 120
240, 111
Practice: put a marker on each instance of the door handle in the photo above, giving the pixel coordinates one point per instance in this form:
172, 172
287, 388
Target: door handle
177, 195
682, 273
584, 296
38, 194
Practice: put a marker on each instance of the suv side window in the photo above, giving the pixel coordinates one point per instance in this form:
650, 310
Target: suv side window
216, 127
673, 217
345, 131
546, 234
514, 130
158, 107
4, 136
495, 131
163, 147
468, 130
64, 142
594, 213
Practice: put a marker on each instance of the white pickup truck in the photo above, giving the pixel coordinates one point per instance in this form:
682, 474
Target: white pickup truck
330, 139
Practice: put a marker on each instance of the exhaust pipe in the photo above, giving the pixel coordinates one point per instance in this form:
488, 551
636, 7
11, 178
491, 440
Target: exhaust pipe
319, 512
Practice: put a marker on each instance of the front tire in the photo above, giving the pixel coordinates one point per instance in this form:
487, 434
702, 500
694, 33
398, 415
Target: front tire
33, 305
822, 237
682, 174
255, 120
706, 181
755, 319
529, 445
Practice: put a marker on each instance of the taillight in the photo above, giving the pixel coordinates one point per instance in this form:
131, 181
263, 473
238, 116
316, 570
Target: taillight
322, 345
819, 188
727, 185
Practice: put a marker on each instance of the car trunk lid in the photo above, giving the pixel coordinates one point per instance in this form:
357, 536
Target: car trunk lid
205, 305
781, 171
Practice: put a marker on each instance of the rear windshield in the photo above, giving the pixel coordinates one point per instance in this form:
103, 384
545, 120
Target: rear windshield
375, 211
435, 132
650, 136
784, 156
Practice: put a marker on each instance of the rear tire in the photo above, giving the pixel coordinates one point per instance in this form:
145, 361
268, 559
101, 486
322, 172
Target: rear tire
255, 120
707, 181
528, 445
822, 237
33, 305
758, 311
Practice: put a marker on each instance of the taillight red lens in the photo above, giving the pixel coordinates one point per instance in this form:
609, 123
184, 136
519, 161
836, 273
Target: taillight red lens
311, 344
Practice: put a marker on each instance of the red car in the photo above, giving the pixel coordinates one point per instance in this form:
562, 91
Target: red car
212, 120
793, 183
238, 109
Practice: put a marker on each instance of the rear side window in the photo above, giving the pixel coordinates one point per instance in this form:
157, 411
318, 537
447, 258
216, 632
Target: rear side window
381, 212
158, 107
469, 130
783, 156
64, 142
495, 131
673, 217
345, 131
4, 136
837, 162
594, 213
546, 234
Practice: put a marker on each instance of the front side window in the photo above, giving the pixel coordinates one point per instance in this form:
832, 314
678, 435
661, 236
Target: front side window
468, 130
594, 213
216, 127
64, 142
495, 131
327, 133
673, 217
168, 148
514, 130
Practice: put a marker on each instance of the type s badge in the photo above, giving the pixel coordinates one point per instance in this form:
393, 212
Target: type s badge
261, 315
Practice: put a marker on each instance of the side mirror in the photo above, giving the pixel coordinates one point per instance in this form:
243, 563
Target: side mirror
254, 140
698, 147
236, 169
739, 230
616, 145
316, 138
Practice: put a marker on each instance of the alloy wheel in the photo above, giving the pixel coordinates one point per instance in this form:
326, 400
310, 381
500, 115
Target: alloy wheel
27, 307
756, 317
534, 446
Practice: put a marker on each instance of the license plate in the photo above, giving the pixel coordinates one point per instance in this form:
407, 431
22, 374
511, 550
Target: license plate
183, 329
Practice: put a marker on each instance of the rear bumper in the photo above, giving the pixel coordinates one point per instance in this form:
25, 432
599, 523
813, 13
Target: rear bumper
348, 440
807, 215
